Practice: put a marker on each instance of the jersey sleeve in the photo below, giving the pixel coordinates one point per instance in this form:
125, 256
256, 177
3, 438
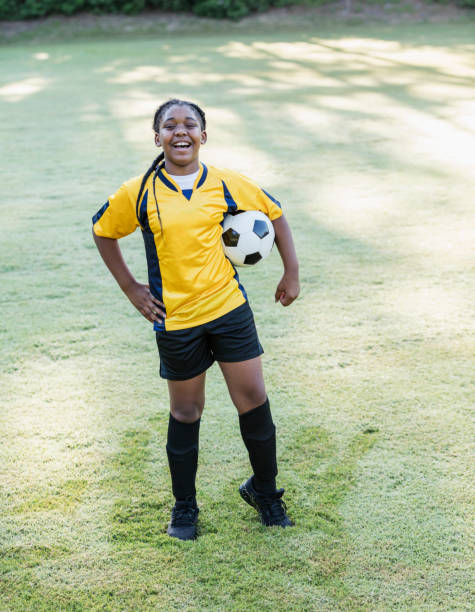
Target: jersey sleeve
117, 218
241, 193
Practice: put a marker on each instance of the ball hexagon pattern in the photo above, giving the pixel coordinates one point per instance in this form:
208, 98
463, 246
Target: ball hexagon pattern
247, 237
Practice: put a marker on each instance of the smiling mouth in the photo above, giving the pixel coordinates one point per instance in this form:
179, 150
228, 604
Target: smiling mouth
182, 145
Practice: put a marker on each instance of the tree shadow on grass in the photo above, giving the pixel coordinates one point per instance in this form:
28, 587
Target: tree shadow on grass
319, 478
238, 563
142, 504
235, 556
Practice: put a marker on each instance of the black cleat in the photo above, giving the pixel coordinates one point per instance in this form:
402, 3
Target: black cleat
184, 519
271, 508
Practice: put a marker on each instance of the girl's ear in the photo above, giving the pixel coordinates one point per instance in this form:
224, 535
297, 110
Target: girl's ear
204, 137
157, 140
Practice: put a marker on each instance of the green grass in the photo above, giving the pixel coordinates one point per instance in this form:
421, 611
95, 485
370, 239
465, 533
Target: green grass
366, 135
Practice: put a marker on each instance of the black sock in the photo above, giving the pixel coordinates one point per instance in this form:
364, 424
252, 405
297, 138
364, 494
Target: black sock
258, 433
182, 451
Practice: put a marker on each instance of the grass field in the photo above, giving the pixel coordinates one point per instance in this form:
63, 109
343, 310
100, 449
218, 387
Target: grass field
366, 134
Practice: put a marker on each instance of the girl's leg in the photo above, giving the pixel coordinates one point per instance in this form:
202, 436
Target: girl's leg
245, 383
186, 406
187, 398
247, 389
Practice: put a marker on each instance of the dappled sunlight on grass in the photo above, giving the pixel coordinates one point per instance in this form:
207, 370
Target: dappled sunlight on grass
51, 419
368, 143
462, 114
363, 205
441, 306
356, 203
433, 245
135, 110
454, 61
19, 90
222, 117
231, 127
135, 103
241, 50
293, 72
111, 66
435, 140
42, 56
374, 86
250, 158
140, 74
159, 74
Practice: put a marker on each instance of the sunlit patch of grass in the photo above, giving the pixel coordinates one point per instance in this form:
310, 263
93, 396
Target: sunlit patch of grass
63, 498
22, 557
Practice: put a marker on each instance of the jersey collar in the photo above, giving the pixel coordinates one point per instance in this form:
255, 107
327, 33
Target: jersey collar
170, 183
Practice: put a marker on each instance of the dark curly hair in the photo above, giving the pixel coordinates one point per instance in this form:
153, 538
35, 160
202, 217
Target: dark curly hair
161, 110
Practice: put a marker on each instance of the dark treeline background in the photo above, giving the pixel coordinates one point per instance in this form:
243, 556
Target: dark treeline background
233, 9
27, 9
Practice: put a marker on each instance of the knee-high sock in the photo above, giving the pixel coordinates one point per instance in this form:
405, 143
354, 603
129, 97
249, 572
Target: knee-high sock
182, 451
258, 433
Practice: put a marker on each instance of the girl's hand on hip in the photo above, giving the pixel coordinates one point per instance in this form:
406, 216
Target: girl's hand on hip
148, 305
287, 290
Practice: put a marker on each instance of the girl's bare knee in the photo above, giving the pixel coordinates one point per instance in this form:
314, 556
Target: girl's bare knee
247, 399
186, 413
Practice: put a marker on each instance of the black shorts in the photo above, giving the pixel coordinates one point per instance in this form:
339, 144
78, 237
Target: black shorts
185, 353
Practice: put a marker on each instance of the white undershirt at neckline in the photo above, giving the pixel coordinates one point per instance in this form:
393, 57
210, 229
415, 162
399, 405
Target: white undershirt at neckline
185, 181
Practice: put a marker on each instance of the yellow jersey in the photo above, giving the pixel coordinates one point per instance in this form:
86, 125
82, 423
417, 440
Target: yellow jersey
187, 268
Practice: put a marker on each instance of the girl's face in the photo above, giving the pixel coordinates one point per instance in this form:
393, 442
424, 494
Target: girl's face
181, 136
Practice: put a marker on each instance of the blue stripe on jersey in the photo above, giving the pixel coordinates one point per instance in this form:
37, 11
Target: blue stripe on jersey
187, 193
154, 274
165, 181
100, 212
273, 199
142, 215
236, 277
203, 177
232, 206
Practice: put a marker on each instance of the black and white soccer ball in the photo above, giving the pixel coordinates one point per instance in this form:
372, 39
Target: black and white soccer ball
247, 237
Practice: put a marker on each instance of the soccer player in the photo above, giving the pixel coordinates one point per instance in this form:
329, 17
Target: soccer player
196, 303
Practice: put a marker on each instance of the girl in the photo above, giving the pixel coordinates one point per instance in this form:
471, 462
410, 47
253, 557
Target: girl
194, 299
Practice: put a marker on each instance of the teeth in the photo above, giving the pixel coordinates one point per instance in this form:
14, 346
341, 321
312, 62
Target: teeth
181, 144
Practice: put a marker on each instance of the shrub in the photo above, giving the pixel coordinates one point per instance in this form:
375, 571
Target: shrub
231, 9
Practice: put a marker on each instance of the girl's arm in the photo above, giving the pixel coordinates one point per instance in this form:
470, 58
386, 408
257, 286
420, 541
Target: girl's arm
140, 296
289, 287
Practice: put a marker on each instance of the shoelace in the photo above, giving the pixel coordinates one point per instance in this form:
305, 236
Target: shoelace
277, 509
184, 516
275, 506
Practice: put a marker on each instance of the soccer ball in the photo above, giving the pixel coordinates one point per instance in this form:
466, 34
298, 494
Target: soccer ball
248, 237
